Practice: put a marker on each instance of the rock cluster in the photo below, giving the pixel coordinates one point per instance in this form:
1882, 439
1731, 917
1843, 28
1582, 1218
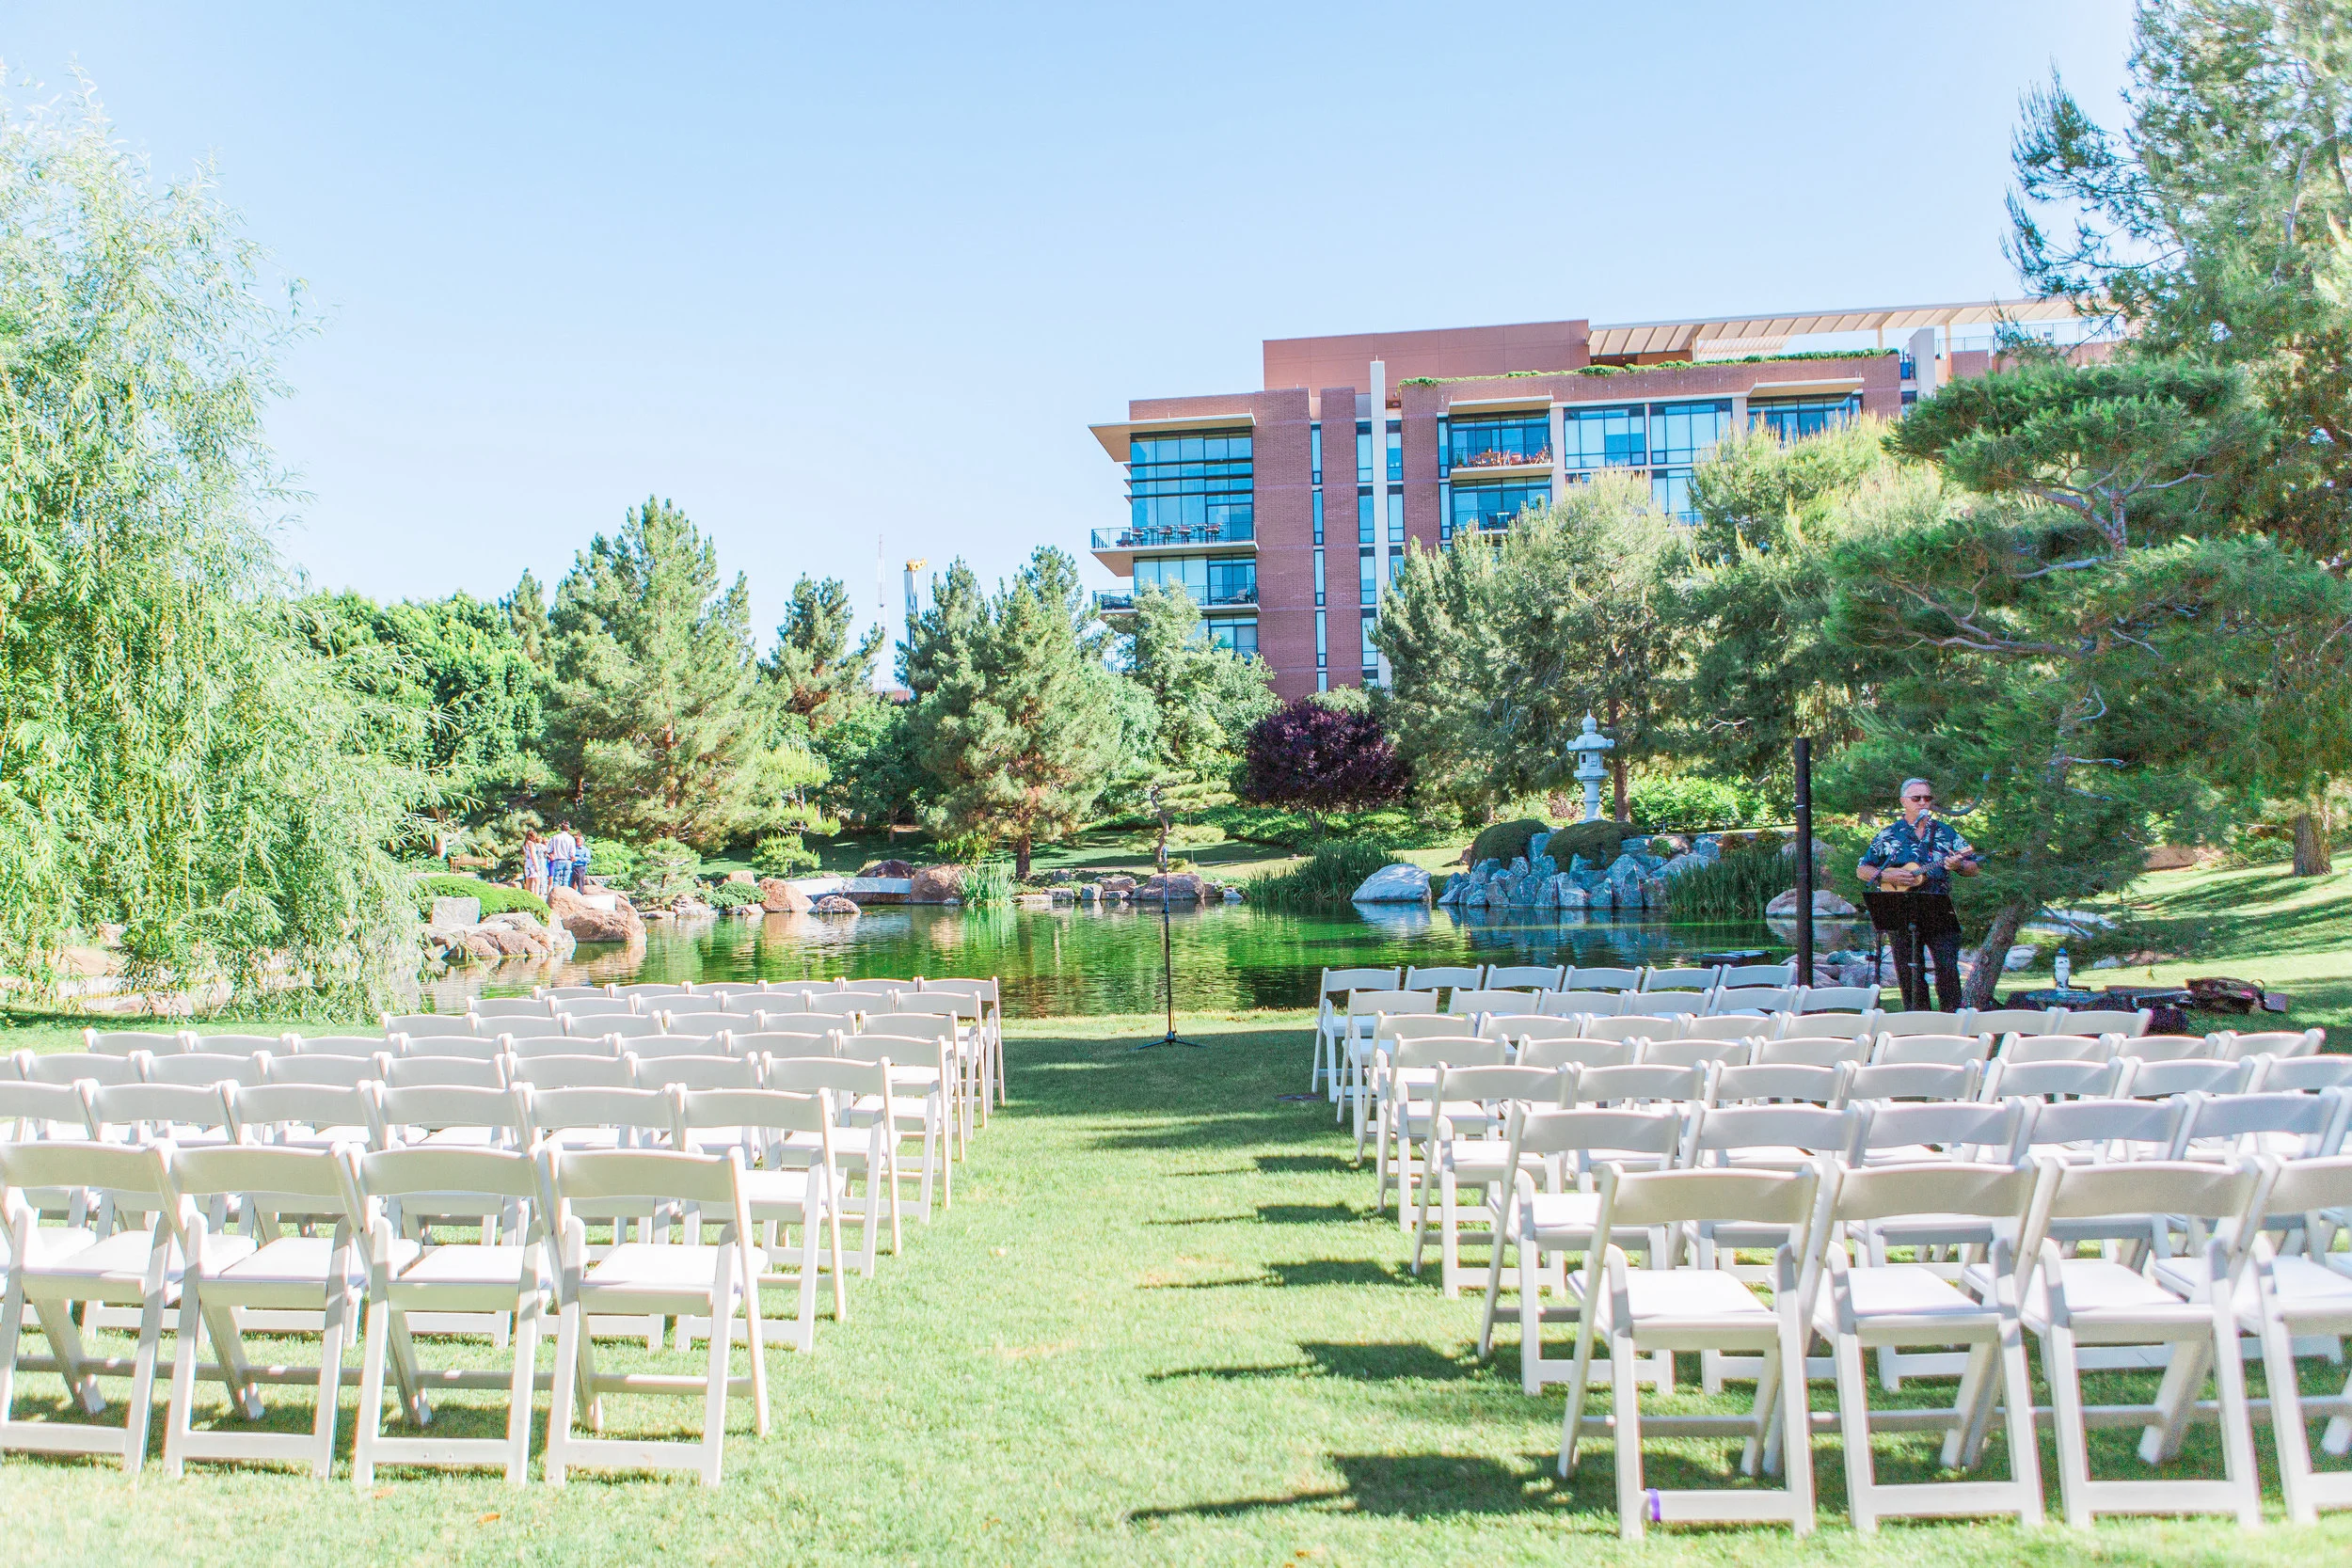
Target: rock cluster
515, 934
587, 922
778, 896
833, 903
1636, 880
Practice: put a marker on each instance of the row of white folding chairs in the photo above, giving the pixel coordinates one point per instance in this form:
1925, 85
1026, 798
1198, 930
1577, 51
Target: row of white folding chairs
1830, 1281
384, 1267
1558, 977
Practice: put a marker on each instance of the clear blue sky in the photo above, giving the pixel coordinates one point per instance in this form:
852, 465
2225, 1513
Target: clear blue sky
819, 274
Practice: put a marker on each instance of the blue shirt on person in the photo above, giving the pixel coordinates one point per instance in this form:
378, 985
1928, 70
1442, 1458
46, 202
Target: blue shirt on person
1899, 844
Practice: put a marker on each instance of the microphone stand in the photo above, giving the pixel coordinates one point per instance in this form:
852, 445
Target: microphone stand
1168, 960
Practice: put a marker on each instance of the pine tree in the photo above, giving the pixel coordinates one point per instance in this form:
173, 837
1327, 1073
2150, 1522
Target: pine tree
527, 613
1205, 698
1017, 726
816, 674
660, 725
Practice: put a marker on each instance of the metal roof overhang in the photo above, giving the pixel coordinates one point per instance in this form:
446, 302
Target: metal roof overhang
1116, 435
1751, 333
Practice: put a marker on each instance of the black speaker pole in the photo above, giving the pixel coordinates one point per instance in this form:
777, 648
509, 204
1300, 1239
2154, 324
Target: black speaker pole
1804, 861
1168, 944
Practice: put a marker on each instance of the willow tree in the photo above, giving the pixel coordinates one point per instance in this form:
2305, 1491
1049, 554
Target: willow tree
174, 758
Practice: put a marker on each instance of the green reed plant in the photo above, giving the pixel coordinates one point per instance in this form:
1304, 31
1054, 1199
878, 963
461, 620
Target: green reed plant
990, 881
1736, 887
1332, 873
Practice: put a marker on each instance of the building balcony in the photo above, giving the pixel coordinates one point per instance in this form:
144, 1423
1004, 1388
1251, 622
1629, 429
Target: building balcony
1485, 460
1117, 548
1121, 602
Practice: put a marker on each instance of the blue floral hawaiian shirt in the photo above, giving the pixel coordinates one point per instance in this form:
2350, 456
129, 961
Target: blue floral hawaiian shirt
1899, 844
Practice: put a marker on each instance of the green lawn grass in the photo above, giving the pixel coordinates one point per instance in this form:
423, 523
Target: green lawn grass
1161, 1324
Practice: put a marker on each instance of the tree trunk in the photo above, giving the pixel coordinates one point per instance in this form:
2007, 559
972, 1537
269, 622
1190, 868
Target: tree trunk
1997, 939
1616, 771
2312, 855
1021, 858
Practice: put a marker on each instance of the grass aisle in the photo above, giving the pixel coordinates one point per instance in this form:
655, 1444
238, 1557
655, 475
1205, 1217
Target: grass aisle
1160, 1325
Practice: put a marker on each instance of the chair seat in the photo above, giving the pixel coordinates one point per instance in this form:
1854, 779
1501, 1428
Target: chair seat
1898, 1290
646, 1268
776, 1189
2305, 1289
2093, 1286
120, 1259
50, 1243
288, 1261
1484, 1158
1563, 1216
1695, 1295
463, 1263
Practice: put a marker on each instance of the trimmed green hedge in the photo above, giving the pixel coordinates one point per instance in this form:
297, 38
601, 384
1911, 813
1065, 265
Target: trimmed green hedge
496, 899
1506, 841
1597, 842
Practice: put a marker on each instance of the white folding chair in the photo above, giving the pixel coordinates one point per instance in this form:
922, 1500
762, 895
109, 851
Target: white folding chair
1759, 974
1473, 1150
1886, 1306
1732, 1028
690, 1277
2300, 1075
780, 1004
785, 1042
693, 1072
1703, 1309
1840, 999
1408, 1072
1934, 1081
866, 1139
841, 1003
794, 1186
724, 994
1949, 1049
1636, 1085
414, 1280
1700, 979
1997, 1022
1924, 1022
2161, 1080
123, 1042
361, 1046
78, 1067
1822, 1026
588, 1009
2298, 1297
652, 1047
512, 1007
186, 1115
2060, 1079
1780, 1083
1465, 1003
2074, 1303
1696, 1052
402, 1072
472, 1045
203, 1070
540, 1028
1585, 1004
229, 1276
2284, 1044
456, 1116
2168, 1048
1543, 1223
1684, 1004
2094, 1020
1362, 1011
1813, 1050
1532, 978
572, 1073
302, 1116
1388, 1031
655, 991
1448, 977
1599, 977
1633, 1028
570, 993
2056, 1048
919, 1088
1756, 999
1519, 1031
50, 1267
229, 1045
1578, 1052
705, 1024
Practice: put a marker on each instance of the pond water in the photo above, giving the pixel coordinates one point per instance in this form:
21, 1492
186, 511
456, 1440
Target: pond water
1071, 963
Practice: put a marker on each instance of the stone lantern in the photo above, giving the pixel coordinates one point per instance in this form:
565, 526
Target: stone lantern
1587, 749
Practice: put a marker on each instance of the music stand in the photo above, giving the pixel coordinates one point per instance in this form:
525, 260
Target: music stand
1168, 960
1922, 915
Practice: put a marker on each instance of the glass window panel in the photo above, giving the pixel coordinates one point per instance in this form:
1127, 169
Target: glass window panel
1793, 418
1396, 456
1477, 506
1363, 516
1363, 455
1367, 580
1396, 516
1498, 440
1318, 577
1321, 652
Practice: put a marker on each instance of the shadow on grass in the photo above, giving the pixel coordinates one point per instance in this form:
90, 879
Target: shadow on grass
1386, 1361
1407, 1485
1309, 1213
1302, 1165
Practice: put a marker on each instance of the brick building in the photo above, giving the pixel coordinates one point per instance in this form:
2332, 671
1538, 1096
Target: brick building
1259, 503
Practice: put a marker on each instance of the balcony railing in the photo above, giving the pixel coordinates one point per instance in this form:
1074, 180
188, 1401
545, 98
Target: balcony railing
1121, 602
1495, 459
1173, 536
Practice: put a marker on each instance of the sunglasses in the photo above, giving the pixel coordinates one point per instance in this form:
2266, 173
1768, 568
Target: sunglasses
1925, 797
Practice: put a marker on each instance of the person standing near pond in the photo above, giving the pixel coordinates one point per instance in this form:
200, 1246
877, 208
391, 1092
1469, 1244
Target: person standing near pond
535, 864
1918, 854
580, 862
560, 849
